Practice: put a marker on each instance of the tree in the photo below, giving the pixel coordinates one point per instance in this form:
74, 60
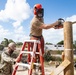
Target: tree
47, 55
19, 44
61, 42
48, 43
5, 42
10, 40
1, 47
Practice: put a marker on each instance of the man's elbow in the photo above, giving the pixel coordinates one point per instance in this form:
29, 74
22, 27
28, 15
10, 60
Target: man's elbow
46, 27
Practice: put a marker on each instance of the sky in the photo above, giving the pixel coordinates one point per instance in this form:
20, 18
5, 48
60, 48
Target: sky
15, 17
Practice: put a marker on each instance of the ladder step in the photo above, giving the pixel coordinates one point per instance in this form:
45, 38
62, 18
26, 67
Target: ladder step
37, 53
32, 41
29, 52
37, 64
22, 64
27, 65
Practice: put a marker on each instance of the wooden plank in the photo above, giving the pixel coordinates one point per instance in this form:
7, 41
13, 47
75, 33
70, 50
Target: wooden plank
61, 67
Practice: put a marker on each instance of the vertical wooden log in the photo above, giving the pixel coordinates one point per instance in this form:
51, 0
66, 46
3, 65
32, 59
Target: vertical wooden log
68, 47
63, 56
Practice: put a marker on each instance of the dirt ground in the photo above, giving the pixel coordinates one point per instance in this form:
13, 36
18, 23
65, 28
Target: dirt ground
48, 69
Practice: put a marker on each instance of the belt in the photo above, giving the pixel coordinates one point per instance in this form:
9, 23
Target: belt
39, 37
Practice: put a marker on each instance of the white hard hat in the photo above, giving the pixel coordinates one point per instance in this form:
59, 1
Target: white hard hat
12, 45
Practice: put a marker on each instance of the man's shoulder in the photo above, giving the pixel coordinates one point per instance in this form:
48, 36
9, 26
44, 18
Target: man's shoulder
34, 19
5, 53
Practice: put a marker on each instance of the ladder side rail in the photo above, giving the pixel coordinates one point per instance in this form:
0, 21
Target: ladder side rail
41, 58
32, 41
18, 60
15, 69
29, 56
32, 58
20, 55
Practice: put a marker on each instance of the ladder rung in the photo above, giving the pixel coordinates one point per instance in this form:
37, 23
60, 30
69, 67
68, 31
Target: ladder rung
36, 41
29, 52
37, 53
22, 64
37, 64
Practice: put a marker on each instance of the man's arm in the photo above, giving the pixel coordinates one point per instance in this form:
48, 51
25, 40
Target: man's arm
6, 58
48, 26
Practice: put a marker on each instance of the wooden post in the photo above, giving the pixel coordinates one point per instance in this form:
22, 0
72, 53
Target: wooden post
68, 47
63, 56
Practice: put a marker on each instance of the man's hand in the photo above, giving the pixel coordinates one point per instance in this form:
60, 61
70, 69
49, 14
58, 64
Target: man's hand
59, 24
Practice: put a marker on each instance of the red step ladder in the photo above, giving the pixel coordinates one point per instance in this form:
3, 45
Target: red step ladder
32, 51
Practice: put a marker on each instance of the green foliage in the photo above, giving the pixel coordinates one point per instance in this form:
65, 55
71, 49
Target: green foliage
19, 44
59, 52
1, 47
58, 59
5, 42
61, 42
47, 56
48, 43
10, 40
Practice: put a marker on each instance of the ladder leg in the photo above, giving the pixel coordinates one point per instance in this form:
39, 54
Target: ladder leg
41, 59
29, 56
18, 60
30, 45
14, 72
36, 60
33, 58
42, 46
20, 55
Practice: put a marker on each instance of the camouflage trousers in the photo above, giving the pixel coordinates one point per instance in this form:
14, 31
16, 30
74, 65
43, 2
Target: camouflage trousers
2, 73
5, 74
